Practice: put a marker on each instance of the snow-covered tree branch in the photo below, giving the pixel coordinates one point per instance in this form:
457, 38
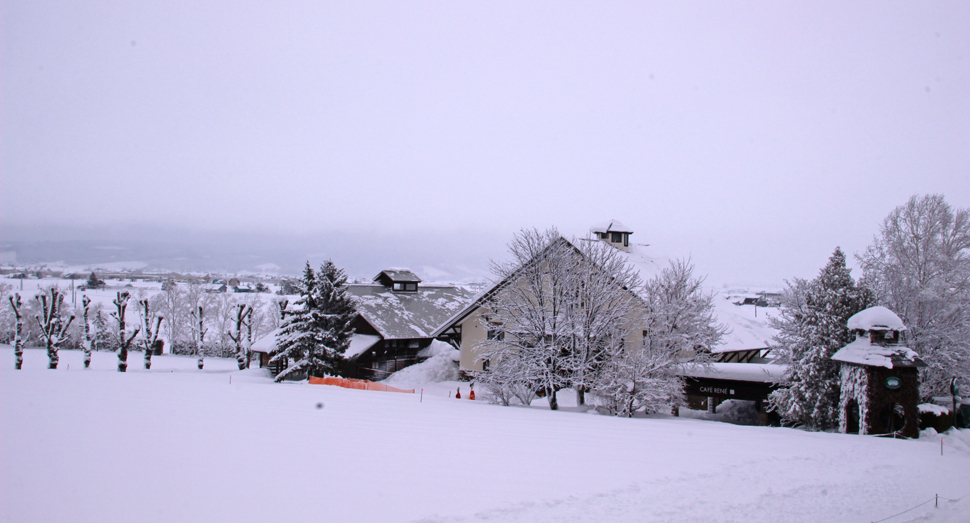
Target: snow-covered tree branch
919, 267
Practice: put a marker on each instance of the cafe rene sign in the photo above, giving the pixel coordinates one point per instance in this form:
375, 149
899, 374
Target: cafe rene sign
728, 389
716, 391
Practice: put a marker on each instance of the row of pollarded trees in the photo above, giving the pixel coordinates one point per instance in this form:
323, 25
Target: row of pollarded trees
919, 267
576, 314
53, 326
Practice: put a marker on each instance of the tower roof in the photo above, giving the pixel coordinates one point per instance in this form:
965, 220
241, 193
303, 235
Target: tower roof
876, 318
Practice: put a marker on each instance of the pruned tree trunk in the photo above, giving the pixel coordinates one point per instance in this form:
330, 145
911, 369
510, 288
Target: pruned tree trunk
121, 302
553, 401
86, 303
149, 334
51, 328
243, 316
199, 338
18, 337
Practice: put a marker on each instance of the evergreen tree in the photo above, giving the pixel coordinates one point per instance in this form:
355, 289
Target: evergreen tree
316, 332
337, 313
812, 328
93, 281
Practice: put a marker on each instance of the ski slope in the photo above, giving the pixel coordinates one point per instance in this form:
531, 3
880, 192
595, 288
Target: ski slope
178, 444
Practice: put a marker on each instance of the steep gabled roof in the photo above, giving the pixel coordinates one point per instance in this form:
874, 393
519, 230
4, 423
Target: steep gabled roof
748, 329
479, 299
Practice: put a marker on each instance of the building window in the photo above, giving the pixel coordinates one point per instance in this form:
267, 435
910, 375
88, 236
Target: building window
495, 334
616, 237
411, 287
398, 286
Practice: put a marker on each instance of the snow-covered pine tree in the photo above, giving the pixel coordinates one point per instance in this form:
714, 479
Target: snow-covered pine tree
124, 341
52, 328
93, 281
316, 332
86, 342
149, 333
18, 336
298, 334
812, 327
337, 313
919, 267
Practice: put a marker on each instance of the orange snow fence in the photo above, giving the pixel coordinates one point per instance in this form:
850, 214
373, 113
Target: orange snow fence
356, 384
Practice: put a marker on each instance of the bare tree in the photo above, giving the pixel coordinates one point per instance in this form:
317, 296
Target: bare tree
679, 329
919, 266
243, 319
530, 305
52, 328
149, 333
221, 316
124, 341
18, 340
171, 304
198, 334
605, 311
86, 341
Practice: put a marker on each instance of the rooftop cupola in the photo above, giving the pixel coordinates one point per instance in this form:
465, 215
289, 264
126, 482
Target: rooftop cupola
879, 324
614, 233
398, 280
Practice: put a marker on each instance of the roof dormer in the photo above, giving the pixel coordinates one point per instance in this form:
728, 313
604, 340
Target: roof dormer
614, 233
398, 280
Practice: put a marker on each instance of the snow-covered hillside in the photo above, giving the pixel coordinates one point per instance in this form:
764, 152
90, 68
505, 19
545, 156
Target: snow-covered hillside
178, 444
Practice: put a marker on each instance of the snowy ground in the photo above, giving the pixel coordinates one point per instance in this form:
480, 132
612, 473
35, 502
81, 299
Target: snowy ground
177, 444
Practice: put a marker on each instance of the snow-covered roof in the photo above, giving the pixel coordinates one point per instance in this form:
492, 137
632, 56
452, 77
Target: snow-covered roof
359, 343
748, 324
763, 372
610, 226
863, 352
876, 318
265, 344
407, 315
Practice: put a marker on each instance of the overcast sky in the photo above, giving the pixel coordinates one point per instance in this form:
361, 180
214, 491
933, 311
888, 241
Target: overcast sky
754, 137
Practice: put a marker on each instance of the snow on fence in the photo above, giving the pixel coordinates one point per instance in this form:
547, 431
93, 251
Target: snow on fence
357, 384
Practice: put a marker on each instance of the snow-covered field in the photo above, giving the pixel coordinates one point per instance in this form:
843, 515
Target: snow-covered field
178, 444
